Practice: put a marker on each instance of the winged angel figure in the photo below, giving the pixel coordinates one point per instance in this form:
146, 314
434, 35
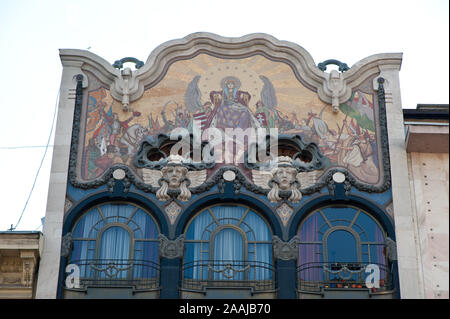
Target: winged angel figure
284, 177
174, 176
229, 107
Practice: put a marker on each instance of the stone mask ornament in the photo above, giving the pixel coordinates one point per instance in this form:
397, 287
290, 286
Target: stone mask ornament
175, 176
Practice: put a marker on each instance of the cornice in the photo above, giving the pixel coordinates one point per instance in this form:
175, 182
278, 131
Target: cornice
333, 88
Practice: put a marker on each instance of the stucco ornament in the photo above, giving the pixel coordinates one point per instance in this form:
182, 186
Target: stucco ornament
335, 87
283, 177
171, 248
66, 244
285, 250
125, 86
175, 176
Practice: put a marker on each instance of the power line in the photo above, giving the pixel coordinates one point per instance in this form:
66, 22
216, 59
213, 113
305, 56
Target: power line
42, 161
26, 146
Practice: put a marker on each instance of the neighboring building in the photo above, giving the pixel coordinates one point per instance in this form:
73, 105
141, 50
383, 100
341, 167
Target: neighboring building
19, 258
427, 142
132, 213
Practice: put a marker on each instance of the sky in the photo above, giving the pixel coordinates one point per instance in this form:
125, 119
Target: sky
32, 32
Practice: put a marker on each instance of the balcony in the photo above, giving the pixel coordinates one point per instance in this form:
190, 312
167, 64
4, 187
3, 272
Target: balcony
109, 278
243, 278
342, 280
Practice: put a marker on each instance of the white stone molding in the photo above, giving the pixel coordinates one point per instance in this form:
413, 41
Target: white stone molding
127, 86
51, 251
406, 229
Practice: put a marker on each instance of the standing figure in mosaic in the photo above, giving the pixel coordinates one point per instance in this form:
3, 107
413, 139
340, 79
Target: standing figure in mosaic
356, 154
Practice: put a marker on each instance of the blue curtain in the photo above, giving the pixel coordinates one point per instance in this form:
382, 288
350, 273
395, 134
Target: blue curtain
228, 248
115, 241
228, 244
145, 252
193, 252
115, 244
259, 253
85, 249
228, 214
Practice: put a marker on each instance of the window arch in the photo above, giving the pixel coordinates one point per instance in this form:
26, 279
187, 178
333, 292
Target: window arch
335, 233
339, 241
228, 242
115, 241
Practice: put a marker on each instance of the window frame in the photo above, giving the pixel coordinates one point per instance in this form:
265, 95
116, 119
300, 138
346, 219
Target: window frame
210, 242
98, 236
331, 228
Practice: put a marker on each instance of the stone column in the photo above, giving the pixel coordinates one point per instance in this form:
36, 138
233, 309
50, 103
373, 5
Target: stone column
171, 256
50, 258
286, 256
410, 273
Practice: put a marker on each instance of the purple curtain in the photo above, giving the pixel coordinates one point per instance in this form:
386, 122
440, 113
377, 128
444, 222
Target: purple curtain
310, 253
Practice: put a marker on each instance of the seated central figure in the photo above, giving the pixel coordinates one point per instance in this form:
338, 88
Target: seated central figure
231, 106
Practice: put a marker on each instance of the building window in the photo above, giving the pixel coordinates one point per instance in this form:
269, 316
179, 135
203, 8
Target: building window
116, 243
337, 243
228, 243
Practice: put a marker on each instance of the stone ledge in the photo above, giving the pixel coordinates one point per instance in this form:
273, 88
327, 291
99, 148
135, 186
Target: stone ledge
427, 139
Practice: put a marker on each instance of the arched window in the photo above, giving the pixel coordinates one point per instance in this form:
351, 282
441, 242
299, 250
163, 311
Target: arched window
115, 241
228, 242
337, 243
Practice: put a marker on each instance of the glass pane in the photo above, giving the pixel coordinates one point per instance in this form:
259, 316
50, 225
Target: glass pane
377, 255
144, 225
114, 245
110, 210
309, 253
341, 247
228, 245
373, 231
197, 267
259, 226
228, 214
309, 229
145, 265
309, 259
365, 258
334, 214
198, 225
85, 224
228, 255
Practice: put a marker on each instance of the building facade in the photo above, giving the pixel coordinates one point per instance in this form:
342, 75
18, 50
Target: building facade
19, 259
426, 143
233, 167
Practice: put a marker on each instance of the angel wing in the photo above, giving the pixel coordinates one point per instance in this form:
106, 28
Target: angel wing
308, 179
196, 177
268, 95
192, 96
261, 178
151, 176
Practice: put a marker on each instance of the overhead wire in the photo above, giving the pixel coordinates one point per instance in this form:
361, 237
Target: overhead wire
24, 146
40, 165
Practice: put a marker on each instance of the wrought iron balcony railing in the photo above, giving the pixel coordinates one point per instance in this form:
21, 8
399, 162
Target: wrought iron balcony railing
140, 274
198, 275
314, 277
